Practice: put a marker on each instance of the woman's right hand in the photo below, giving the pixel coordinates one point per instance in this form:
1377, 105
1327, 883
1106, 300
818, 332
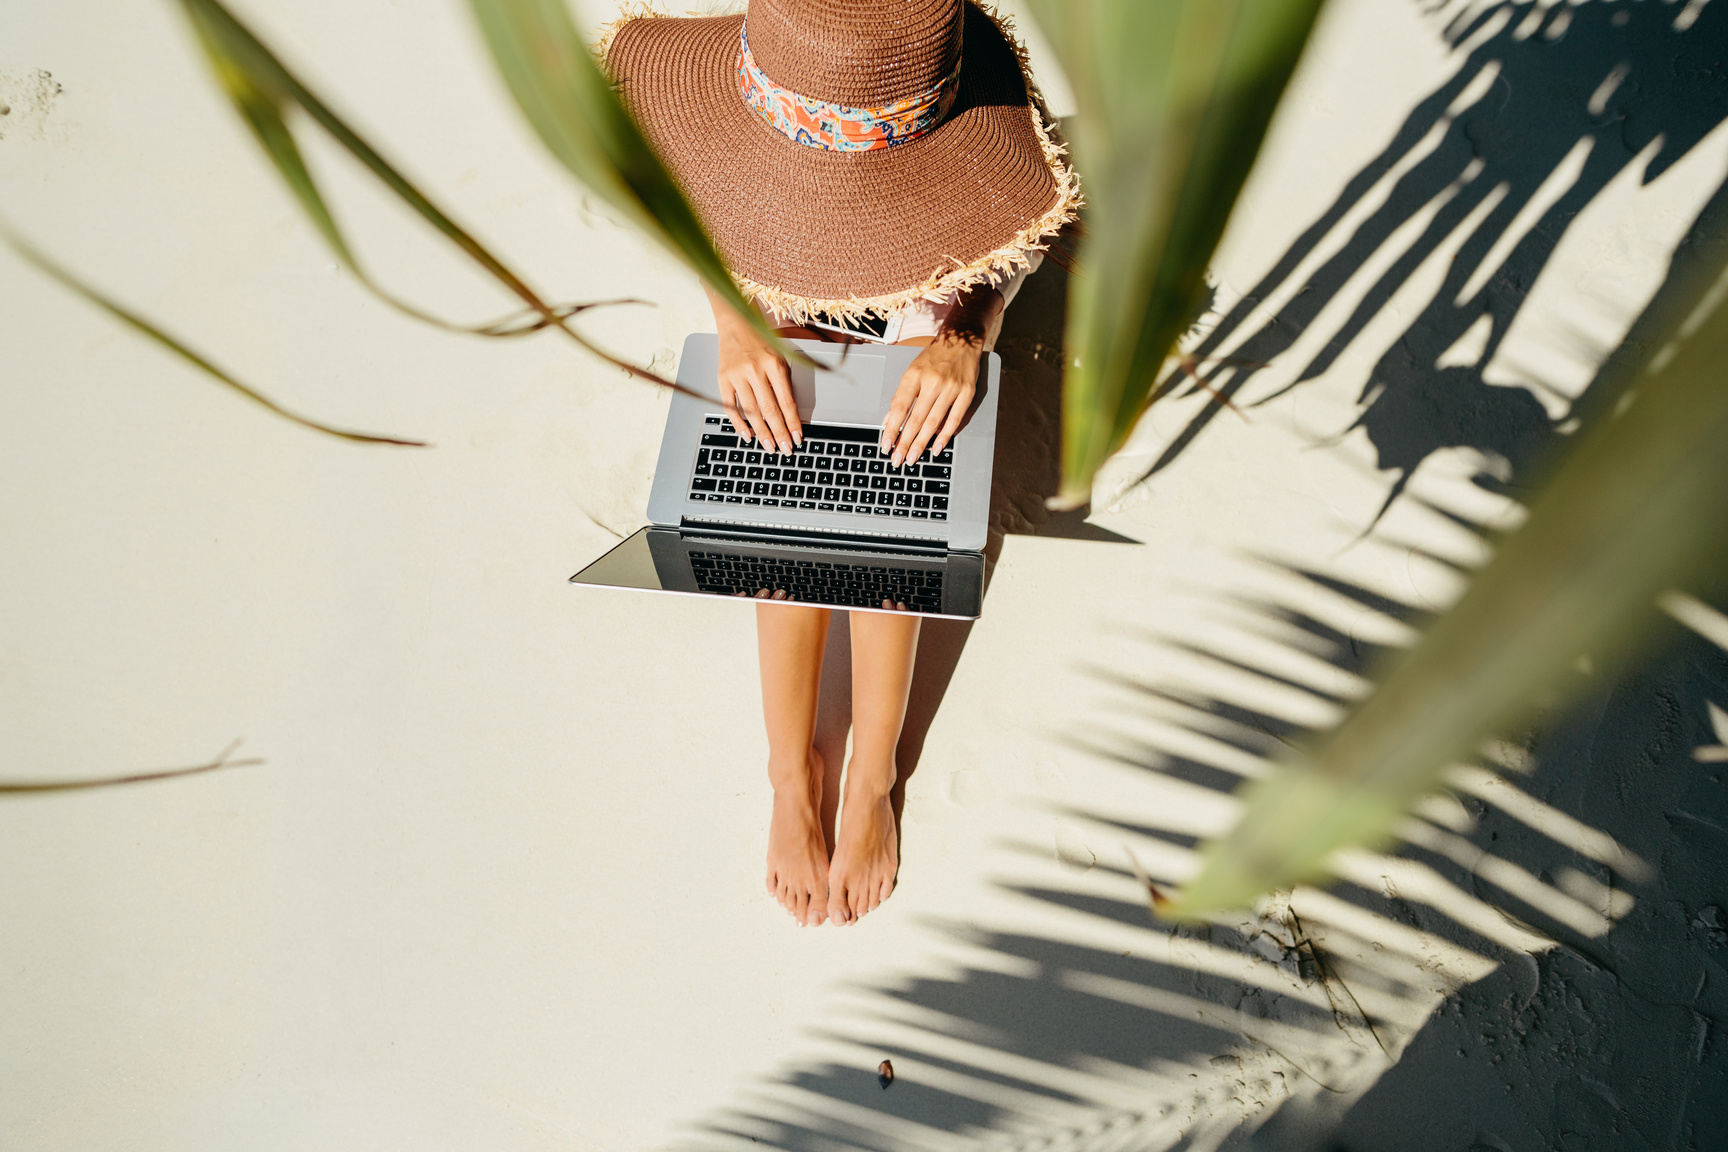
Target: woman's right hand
755, 383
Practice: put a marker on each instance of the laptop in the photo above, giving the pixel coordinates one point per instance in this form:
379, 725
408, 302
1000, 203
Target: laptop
832, 524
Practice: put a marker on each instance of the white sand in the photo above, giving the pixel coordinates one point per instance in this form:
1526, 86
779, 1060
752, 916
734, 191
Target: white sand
499, 881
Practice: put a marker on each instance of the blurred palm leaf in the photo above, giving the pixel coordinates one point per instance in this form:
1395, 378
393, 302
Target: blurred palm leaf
138, 323
1637, 509
263, 91
1174, 98
577, 114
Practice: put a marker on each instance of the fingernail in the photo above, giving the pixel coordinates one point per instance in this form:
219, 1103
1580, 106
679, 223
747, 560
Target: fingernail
786, 449
897, 458
798, 439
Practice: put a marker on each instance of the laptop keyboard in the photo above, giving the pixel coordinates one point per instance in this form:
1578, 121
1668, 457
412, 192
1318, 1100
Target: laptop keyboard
818, 582
839, 469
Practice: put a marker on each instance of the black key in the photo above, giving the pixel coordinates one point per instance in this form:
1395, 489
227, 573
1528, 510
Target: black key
823, 478
882, 510
937, 471
938, 515
717, 440
771, 475
702, 469
879, 482
701, 484
761, 488
920, 501
806, 504
843, 480
734, 499
866, 497
936, 487
725, 486
711, 420
877, 467
796, 491
702, 455
836, 449
902, 499
751, 500
868, 452
896, 484
737, 471
771, 503
902, 511
778, 490
806, 462
925, 459
851, 449
939, 503
946, 456
843, 508
754, 473
920, 514
914, 485
697, 496
752, 457
807, 478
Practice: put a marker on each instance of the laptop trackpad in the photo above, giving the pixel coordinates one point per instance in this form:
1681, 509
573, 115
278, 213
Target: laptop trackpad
842, 388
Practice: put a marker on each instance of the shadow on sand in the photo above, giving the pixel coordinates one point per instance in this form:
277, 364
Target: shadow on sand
1550, 103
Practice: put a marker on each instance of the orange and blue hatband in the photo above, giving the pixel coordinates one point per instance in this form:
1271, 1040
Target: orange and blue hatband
836, 127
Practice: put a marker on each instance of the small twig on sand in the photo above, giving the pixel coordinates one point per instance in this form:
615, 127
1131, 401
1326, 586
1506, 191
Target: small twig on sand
221, 761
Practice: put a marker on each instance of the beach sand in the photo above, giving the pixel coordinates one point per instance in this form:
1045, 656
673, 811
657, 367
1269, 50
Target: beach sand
497, 882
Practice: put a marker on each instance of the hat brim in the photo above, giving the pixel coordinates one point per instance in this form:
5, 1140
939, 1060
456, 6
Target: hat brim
806, 230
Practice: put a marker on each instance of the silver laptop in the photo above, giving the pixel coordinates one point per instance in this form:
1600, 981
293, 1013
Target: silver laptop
834, 523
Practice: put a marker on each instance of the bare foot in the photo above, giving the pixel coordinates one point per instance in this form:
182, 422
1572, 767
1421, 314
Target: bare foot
797, 852
866, 856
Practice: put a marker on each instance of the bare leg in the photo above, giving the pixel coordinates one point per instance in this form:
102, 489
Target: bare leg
790, 641
867, 851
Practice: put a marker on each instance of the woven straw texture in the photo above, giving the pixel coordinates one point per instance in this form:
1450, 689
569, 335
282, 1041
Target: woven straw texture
806, 230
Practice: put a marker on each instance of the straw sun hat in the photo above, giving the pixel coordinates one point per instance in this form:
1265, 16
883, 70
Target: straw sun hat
849, 156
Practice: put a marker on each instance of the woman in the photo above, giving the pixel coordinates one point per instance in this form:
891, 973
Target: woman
851, 158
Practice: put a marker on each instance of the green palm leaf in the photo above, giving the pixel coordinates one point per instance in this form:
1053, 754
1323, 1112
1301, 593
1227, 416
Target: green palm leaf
1174, 98
1636, 510
578, 115
263, 90
139, 324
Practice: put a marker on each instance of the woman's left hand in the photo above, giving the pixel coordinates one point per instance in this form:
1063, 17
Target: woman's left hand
933, 398
936, 392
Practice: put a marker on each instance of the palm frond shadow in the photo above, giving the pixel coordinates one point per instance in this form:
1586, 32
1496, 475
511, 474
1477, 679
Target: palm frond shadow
1111, 1030
1489, 155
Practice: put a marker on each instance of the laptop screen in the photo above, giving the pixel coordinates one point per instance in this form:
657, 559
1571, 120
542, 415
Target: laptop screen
842, 576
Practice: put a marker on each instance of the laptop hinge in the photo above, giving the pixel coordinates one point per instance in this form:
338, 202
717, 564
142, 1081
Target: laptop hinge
814, 536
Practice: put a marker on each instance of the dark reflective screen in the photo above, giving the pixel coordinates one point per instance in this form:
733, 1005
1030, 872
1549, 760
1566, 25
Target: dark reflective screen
842, 576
